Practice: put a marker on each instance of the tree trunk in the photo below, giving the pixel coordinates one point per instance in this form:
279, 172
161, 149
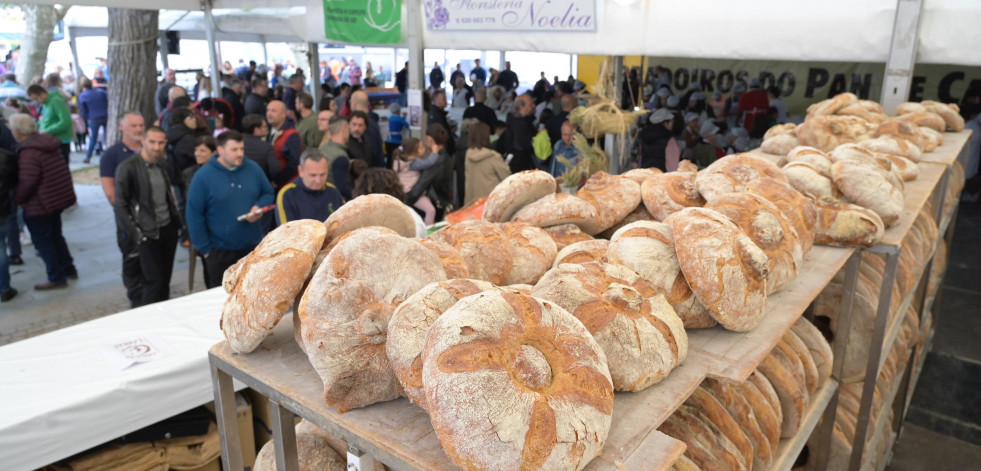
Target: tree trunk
132, 65
40, 21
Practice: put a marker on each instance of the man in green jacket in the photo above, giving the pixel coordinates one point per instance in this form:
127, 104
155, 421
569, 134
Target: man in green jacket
56, 118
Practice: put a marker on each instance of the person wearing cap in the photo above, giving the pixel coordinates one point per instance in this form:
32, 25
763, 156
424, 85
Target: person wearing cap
705, 151
695, 87
657, 143
660, 98
677, 112
753, 103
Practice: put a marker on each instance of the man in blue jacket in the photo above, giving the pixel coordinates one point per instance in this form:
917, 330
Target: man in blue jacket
310, 195
94, 106
223, 189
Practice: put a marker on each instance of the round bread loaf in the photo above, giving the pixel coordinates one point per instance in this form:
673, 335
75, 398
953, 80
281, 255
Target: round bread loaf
313, 453
725, 269
514, 382
766, 389
798, 208
890, 145
346, 309
709, 435
860, 110
648, 249
566, 234
733, 173
866, 186
639, 214
789, 388
777, 129
860, 154
687, 166
799, 348
701, 447
532, 252
809, 181
927, 119
900, 130
931, 137
371, 210
516, 191
556, 209
484, 247
768, 417
770, 230
266, 282
640, 174
583, 252
832, 105
780, 144
951, 116
719, 416
814, 157
827, 132
910, 107
613, 196
847, 225
453, 263
669, 193
642, 337
818, 347
738, 407
410, 322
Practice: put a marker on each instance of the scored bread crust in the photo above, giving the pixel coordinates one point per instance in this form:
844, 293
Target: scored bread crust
647, 248
819, 348
847, 225
516, 191
799, 348
725, 269
768, 417
557, 209
814, 157
613, 196
669, 193
639, 332
639, 214
640, 174
734, 173
484, 247
737, 404
865, 185
582, 252
532, 252
371, 210
798, 208
788, 387
891, 145
719, 416
265, 283
410, 322
566, 234
515, 382
453, 263
700, 445
346, 309
805, 178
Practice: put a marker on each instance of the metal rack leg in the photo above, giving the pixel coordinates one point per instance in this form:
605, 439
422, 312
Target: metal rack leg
284, 436
358, 460
231, 445
875, 354
840, 350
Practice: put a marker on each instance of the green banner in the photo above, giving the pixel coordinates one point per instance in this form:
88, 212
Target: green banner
363, 21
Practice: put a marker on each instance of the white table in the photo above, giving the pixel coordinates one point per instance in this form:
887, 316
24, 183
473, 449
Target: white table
59, 394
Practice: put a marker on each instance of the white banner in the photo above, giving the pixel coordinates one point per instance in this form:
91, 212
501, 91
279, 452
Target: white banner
511, 15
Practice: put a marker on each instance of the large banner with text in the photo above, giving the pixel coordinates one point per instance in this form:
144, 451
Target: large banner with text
363, 21
511, 15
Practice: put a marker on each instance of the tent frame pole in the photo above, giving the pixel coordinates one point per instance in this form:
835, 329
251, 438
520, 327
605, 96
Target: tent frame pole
898, 75
209, 33
417, 80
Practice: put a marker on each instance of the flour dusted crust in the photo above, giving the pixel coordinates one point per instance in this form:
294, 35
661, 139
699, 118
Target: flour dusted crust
770, 230
847, 225
566, 234
687, 166
910, 107
860, 110
700, 445
827, 132
410, 322
708, 436
613, 197
312, 450
800, 350
516, 191
583, 252
780, 144
789, 389
808, 180
778, 129
950, 114
798, 208
484, 247
669, 193
453, 263
925, 119
532, 252
931, 138
725, 269
732, 174
831, 105
766, 408
346, 309
640, 174
900, 130
737, 404
371, 210
866, 186
514, 382
818, 347
557, 209
648, 249
890, 145
639, 332
639, 214
717, 414
266, 282
811, 156
903, 167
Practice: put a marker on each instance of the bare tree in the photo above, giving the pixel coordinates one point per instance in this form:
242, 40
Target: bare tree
132, 64
39, 31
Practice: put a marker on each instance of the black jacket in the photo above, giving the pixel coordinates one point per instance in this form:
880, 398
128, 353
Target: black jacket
436, 182
263, 154
482, 113
517, 140
653, 140
134, 204
238, 110
8, 180
255, 104
180, 142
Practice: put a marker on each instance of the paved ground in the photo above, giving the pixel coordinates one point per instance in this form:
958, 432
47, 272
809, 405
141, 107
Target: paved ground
91, 234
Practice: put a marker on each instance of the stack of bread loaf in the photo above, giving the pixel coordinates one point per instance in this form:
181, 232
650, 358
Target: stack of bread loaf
730, 425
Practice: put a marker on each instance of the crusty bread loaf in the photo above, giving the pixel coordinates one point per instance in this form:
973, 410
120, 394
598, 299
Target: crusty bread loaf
904, 167
556, 209
818, 347
866, 186
702, 446
777, 129
766, 405
925, 119
684, 463
332, 242
516, 191
780, 144
859, 110
789, 389
613, 196
346, 309
514, 382
647, 248
718, 443
640, 174
266, 282
798, 208
518, 288
670, 192
639, 214
931, 138
737, 404
847, 225
890, 145
770, 230
410, 322
831, 105
910, 107
861, 154
371, 210
532, 252
583, 252
717, 414
951, 116
799, 348
453, 263
484, 247
808, 180
566, 234
827, 132
639, 332
900, 130
725, 269
687, 166
313, 453
811, 156
733, 173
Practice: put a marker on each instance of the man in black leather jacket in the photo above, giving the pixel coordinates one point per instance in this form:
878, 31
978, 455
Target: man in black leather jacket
146, 209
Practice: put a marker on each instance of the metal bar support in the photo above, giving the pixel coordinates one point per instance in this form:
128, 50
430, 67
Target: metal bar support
284, 436
231, 445
902, 54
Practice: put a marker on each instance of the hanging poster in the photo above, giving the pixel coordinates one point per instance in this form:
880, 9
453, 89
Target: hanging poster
415, 109
363, 21
557, 16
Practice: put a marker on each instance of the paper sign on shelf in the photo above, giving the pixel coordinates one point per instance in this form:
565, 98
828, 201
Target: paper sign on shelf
125, 352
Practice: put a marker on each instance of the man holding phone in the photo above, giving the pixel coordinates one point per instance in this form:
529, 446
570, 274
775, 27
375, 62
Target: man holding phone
226, 187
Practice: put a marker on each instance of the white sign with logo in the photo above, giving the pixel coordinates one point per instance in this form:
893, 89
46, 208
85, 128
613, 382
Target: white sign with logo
511, 15
126, 352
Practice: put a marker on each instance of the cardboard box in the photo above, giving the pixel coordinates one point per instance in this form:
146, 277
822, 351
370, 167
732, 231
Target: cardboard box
214, 465
244, 414
262, 418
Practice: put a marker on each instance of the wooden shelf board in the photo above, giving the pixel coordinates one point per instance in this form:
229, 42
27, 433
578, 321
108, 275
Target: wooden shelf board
915, 197
947, 153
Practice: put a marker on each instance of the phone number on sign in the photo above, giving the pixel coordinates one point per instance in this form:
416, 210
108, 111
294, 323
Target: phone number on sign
477, 20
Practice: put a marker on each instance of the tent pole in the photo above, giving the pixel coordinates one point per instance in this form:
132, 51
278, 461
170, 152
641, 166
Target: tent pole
417, 69
313, 54
163, 49
613, 141
902, 54
74, 47
265, 50
209, 34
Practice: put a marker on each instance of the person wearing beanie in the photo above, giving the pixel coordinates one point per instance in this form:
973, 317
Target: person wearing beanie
658, 147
